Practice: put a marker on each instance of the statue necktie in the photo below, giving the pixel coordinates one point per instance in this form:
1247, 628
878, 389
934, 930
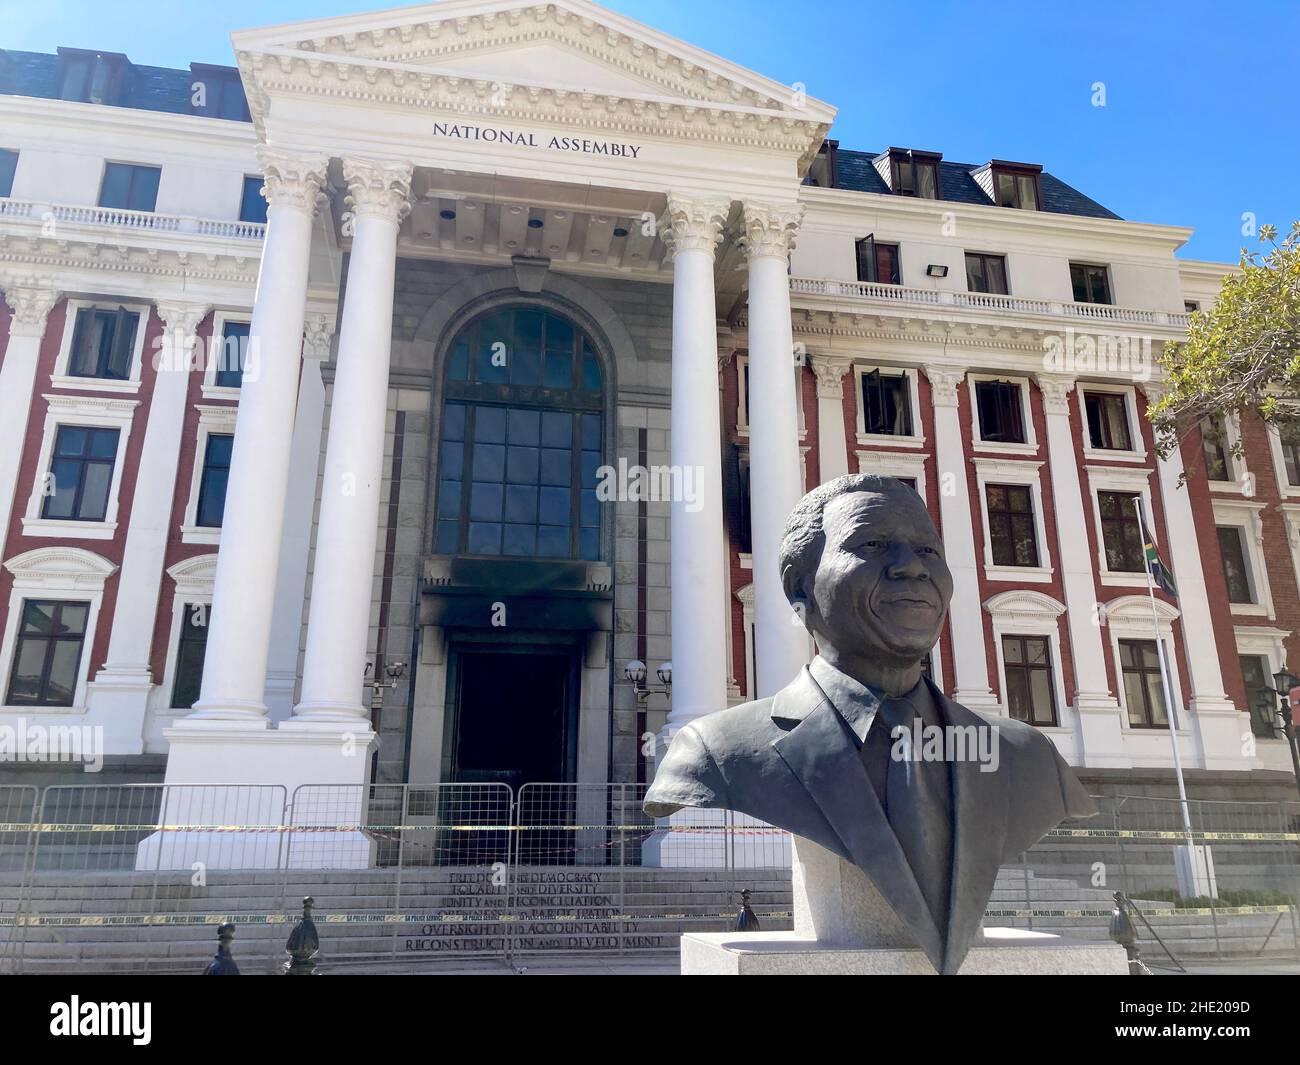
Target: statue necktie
918, 804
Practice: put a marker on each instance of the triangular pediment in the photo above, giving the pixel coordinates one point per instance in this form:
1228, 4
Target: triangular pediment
564, 45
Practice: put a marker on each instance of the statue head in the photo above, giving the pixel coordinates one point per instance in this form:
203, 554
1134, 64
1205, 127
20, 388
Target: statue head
862, 563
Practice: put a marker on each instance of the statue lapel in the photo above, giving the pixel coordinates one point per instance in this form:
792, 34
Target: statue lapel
822, 752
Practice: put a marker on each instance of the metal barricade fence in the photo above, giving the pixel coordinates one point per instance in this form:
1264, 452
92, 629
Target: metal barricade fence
137, 877
18, 805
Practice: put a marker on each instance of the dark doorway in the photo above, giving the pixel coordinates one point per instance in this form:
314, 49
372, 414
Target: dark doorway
512, 721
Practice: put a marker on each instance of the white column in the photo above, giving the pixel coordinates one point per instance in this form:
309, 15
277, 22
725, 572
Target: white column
121, 688
698, 581
300, 505
781, 643
343, 572
1220, 727
832, 445
966, 615
31, 304
239, 632
1101, 737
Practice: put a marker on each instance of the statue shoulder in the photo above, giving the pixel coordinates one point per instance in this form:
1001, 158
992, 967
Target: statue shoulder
694, 769
1036, 766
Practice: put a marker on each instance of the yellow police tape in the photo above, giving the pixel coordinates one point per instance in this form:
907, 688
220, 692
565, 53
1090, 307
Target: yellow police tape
150, 920
1058, 833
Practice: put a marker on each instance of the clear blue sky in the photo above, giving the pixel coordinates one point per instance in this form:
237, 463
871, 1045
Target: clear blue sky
1202, 115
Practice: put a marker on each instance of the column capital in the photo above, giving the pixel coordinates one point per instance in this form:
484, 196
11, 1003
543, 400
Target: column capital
292, 180
1153, 390
944, 382
378, 188
317, 334
1056, 389
771, 229
31, 302
694, 223
830, 371
181, 317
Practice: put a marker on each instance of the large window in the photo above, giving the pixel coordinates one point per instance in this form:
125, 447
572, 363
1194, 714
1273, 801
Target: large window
212, 487
1091, 283
1011, 525
1121, 532
8, 164
103, 342
1028, 664
886, 404
81, 473
1144, 692
233, 356
252, 204
92, 77
878, 262
47, 653
1289, 441
986, 273
522, 439
190, 652
1215, 447
1236, 572
1255, 673
1001, 412
130, 187
1107, 414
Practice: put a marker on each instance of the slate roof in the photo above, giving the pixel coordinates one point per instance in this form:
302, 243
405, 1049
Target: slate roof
146, 88
854, 171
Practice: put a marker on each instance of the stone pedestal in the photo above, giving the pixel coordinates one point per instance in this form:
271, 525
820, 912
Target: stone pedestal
842, 925
997, 951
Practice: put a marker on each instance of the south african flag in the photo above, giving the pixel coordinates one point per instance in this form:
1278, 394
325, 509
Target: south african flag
1160, 573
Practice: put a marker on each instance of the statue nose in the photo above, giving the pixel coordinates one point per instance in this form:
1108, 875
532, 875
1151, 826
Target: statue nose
905, 563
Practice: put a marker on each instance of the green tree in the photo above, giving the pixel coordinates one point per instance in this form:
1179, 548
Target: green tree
1243, 354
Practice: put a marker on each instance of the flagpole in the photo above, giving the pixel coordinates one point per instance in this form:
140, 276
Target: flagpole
1171, 717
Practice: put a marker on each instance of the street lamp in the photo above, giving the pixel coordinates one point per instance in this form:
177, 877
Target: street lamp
1277, 716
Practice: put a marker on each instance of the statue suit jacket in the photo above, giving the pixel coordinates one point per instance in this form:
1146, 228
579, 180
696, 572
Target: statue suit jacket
792, 761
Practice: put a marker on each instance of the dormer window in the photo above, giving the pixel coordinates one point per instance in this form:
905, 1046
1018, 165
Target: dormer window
92, 77
914, 173
222, 93
822, 171
1016, 185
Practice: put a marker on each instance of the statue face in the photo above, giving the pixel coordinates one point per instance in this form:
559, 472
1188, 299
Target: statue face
882, 584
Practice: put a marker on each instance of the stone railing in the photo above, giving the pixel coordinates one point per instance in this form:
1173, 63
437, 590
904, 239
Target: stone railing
984, 301
141, 221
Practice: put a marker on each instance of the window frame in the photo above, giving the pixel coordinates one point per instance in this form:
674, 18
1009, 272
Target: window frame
978, 442
1247, 517
1134, 482
1028, 612
862, 370
1104, 268
55, 572
214, 420
870, 238
209, 388
243, 199
1128, 617
1285, 488
135, 168
86, 460
193, 580
94, 412
910, 157
8, 173
983, 255
1138, 451
1026, 474
1015, 171
61, 377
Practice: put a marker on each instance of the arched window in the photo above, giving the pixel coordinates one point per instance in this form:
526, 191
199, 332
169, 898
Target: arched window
522, 439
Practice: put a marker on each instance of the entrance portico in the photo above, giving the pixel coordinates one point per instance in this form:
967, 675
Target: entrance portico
448, 135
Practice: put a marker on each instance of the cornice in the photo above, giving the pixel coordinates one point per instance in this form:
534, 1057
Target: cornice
105, 255
853, 203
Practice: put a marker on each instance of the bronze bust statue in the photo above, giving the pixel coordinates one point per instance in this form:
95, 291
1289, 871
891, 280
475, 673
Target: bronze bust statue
861, 753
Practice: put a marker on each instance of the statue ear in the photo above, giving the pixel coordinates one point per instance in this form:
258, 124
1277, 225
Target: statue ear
794, 589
